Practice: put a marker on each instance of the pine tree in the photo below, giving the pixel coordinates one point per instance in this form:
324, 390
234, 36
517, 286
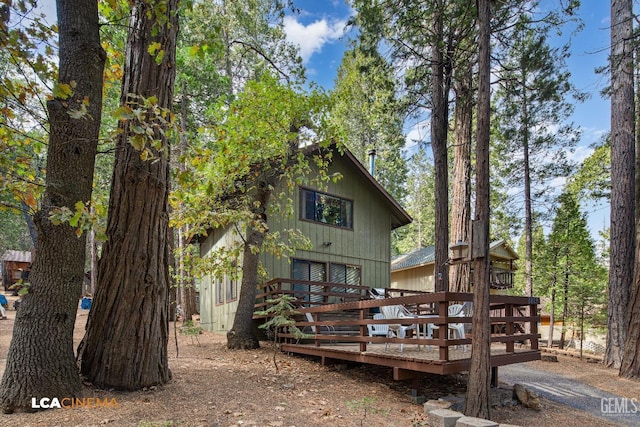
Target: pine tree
532, 111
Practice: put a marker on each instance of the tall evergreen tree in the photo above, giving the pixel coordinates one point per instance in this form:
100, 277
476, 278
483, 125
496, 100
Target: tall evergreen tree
125, 345
428, 41
419, 204
477, 403
370, 117
578, 279
623, 158
532, 112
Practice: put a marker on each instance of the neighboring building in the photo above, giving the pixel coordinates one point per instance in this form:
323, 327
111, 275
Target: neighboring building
16, 265
414, 271
349, 224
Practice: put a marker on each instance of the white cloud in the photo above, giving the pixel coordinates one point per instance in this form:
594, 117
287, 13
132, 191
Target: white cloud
580, 153
312, 37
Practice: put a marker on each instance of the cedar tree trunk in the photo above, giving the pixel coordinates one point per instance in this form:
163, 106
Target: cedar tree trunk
41, 361
439, 127
125, 346
478, 389
622, 235
459, 280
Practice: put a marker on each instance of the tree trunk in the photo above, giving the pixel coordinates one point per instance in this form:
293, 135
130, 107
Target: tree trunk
41, 361
478, 389
622, 236
459, 280
552, 316
93, 253
630, 366
125, 346
439, 127
186, 287
565, 302
241, 335
528, 215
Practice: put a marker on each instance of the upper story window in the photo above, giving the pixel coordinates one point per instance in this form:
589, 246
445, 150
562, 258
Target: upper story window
325, 208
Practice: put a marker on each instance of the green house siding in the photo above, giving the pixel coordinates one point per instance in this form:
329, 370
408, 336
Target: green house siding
214, 315
367, 245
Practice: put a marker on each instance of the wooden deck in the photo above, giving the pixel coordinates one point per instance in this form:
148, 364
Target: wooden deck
339, 333
410, 360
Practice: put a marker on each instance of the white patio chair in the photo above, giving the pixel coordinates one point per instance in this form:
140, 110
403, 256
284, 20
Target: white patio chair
454, 310
330, 329
399, 330
313, 329
378, 329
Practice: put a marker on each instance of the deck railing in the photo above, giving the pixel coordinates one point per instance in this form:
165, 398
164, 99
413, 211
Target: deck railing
309, 293
346, 322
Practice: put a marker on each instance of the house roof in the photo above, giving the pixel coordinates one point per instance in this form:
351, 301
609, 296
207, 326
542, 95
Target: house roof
399, 216
16, 256
425, 256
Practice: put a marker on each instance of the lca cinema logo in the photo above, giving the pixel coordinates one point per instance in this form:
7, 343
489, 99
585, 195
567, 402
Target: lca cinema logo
73, 403
619, 406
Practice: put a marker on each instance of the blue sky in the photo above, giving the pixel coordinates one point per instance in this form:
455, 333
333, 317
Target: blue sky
319, 30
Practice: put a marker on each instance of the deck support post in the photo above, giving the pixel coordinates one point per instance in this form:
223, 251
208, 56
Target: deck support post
363, 330
494, 376
509, 329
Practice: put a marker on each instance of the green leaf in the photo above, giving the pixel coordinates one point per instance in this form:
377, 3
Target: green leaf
154, 47
138, 141
62, 91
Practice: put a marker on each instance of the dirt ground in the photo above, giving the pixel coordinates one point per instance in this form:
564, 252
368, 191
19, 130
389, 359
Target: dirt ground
213, 386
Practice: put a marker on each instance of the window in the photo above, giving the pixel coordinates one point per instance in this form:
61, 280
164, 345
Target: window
342, 273
226, 289
314, 271
310, 271
321, 207
231, 286
219, 294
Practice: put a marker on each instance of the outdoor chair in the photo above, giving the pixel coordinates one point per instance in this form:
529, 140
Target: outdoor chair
397, 312
316, 329
454, 310
378, 329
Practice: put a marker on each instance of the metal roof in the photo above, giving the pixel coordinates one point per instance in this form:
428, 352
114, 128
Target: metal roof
416, 258
426, 255
17, 256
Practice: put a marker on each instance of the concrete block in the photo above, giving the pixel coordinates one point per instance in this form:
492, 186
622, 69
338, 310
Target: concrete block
432, 405
475, 422
443, 418
457, 402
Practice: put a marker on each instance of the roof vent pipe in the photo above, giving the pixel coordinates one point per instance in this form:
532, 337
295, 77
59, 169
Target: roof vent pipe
372, 161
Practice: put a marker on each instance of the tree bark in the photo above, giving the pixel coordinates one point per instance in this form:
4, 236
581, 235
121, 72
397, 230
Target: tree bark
552, 316
241, 335
439, 127
125, 346
622, 236
630, 366
41, 361
528, 210
186, 294
565, 301
478, 390
459, 279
